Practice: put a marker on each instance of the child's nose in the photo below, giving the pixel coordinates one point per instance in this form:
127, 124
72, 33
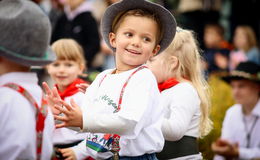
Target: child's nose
61, 68
136, 42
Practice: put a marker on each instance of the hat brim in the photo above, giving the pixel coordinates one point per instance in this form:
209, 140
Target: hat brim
165, 16
229, 78
49, 57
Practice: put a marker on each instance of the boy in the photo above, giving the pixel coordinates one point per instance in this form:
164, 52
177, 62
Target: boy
124, 101
240, 132
26, 124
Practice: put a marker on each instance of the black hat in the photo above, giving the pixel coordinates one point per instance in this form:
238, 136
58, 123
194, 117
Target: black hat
167, 19
245, 70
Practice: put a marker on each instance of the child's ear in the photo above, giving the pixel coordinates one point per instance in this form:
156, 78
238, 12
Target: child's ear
156, 49
82, 68
174, 62
112, 39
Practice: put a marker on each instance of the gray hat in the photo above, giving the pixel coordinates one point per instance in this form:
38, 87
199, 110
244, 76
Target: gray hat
166, 18
24, 33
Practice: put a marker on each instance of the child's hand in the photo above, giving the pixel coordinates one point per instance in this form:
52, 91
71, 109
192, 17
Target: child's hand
72, 115
68, 153
82, 87
52, 97
225, 148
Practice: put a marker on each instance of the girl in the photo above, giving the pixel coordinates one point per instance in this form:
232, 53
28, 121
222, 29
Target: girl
124, 100
185, 96
65, 71
246, 47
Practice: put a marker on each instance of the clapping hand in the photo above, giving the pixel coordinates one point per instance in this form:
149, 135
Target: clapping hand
225, 148
72, 114
52, 97
82, 87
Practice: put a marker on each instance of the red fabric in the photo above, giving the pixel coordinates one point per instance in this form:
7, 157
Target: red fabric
167, 84
71, 89
40, 118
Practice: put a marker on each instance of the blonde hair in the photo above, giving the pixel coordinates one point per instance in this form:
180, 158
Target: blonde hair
185, 48
250, 36
138, 13
69, 49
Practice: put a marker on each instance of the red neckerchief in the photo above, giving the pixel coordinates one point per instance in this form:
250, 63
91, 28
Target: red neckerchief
167, 84
71, 89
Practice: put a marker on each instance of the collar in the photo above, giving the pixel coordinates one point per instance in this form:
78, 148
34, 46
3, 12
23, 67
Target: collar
19, 78
256, 110
71, 89
167, 84
84, 7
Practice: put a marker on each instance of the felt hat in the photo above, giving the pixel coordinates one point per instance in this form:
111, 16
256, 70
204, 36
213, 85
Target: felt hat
245, 70
167, 19
25, 33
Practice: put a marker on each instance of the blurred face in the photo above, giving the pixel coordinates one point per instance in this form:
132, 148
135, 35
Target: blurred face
244, 91
157, 66
211, 38
73, 4
64, 72
240, 39
135, 41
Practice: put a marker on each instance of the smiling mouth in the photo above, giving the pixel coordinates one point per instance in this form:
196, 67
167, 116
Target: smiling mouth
133, 51
60, 77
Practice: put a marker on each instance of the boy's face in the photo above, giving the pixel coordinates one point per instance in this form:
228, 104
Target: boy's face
244, 91
135, 41
64, 72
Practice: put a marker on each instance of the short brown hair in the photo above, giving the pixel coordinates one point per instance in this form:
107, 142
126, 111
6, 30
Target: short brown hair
141, 13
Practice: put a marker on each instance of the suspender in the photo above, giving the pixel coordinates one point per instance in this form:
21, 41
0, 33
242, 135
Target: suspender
40, 114
116, 138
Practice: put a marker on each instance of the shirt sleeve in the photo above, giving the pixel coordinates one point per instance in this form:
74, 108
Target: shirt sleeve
82, 152
249, 153
183, 103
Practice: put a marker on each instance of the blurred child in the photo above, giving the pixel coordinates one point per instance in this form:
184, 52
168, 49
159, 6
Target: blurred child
26, 124
216, 53
185, 97
245, 47
241, 126
78, 23
121, 105
65, 71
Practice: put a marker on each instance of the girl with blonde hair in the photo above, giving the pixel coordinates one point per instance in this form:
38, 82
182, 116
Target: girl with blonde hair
185, 96
246, 47
65, 72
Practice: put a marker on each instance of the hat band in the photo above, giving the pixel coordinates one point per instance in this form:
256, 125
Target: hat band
20, 55
246, 75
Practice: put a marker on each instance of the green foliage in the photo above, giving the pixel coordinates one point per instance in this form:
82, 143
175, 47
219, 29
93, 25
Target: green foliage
221, 100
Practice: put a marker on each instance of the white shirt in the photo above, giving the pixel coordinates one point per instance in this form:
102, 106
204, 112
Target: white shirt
181, 112
139, 120
66, 135
17, 119
234, 130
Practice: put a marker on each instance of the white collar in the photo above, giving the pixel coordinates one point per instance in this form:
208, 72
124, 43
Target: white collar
85, 6
19, 78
